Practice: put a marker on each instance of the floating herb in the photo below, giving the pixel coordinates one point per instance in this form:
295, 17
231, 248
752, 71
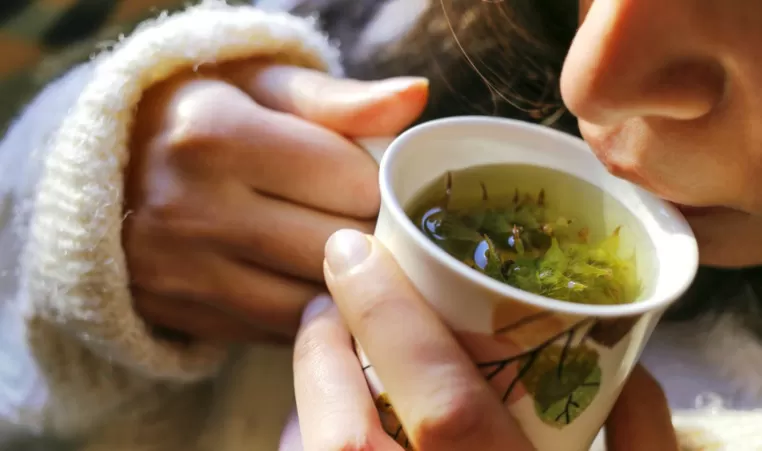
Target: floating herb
520, 243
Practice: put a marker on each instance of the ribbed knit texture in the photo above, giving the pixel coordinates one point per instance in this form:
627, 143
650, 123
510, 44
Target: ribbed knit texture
95, 352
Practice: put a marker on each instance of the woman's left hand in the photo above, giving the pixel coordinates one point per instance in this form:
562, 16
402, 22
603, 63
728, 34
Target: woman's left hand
439, 396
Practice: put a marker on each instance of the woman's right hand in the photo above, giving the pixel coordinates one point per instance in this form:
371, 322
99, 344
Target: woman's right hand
440, 398
238, 175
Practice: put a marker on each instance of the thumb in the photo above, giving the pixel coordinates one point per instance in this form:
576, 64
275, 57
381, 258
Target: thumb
352, 108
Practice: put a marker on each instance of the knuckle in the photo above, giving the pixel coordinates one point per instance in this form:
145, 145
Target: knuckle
170, 211
191, 134
456, 417
161, 207
157, 195
190, 140
199, 116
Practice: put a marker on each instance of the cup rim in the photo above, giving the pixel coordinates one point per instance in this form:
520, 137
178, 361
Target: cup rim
668, 213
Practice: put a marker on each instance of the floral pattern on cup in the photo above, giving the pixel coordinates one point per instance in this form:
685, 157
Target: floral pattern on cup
552, 358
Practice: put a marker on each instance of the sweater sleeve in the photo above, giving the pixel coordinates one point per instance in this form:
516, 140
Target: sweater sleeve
64, 280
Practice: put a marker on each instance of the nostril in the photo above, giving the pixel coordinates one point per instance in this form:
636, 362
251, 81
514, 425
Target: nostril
679, 90
684, 91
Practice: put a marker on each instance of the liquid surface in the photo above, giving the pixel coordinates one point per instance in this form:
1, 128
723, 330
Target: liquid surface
536, 229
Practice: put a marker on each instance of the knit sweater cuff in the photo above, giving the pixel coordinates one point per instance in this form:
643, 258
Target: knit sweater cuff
74, 270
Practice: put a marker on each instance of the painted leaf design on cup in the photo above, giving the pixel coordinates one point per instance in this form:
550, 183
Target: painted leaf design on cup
526, 326
499, 360
564, 412
542, 359
563, 380
609, 332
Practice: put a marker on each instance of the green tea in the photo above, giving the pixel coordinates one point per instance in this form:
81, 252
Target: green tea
538, 230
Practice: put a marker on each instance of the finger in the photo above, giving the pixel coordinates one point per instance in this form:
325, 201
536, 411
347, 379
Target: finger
436, 390
271, 302
352, 108
283, 237
335, 407
641, 418
299, 161
216, 129
290, 158
197, 320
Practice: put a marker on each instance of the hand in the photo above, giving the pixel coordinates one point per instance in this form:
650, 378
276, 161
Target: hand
238, 176
439, 396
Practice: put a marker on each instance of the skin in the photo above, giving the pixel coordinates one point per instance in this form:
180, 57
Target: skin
667, 95
441, 399
238, 176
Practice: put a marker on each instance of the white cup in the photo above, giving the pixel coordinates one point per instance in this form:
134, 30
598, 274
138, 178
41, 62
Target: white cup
519, 340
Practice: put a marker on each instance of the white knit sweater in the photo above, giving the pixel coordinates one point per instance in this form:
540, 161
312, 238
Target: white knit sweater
76, 362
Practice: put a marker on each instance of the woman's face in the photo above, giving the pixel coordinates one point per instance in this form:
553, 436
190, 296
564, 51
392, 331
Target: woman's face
669, 96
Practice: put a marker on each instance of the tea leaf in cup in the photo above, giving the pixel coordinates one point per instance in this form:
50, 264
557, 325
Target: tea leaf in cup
520, 241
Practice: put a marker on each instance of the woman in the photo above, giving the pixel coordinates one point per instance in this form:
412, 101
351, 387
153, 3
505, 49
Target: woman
173, 197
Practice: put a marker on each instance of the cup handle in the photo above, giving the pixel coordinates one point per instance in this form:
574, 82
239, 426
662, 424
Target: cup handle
376, 146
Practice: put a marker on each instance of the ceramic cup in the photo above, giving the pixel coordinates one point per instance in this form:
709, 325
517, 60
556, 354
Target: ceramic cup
557, 366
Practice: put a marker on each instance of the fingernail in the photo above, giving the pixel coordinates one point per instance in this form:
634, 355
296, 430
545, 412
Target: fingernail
346, 249
316, 306
398, 84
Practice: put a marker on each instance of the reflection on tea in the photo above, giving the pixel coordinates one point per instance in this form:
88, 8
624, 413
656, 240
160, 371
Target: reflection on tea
536, 229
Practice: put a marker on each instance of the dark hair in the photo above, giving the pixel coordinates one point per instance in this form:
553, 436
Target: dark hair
493, 57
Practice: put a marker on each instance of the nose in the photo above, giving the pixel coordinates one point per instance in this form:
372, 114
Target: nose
642, 58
